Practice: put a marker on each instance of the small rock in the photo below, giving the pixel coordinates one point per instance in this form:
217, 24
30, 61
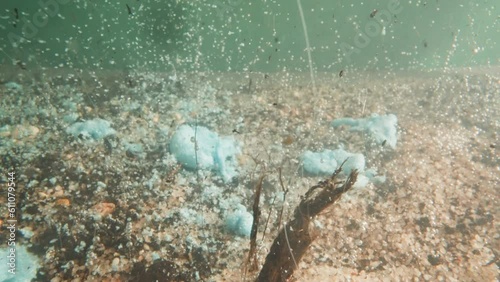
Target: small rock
104, 209
63, 202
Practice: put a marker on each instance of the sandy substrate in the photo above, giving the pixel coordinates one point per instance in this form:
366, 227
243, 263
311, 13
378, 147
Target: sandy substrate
92, 211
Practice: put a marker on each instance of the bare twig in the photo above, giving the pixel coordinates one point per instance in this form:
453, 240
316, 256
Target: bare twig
252, 255
285, 191
268, 217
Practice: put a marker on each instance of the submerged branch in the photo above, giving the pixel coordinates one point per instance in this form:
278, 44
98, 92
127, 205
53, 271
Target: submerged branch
252, 255
294, 238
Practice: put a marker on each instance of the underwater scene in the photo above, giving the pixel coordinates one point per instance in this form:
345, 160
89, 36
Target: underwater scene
232, 140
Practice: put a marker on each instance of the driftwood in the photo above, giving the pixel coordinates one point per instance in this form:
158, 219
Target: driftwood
294, 238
